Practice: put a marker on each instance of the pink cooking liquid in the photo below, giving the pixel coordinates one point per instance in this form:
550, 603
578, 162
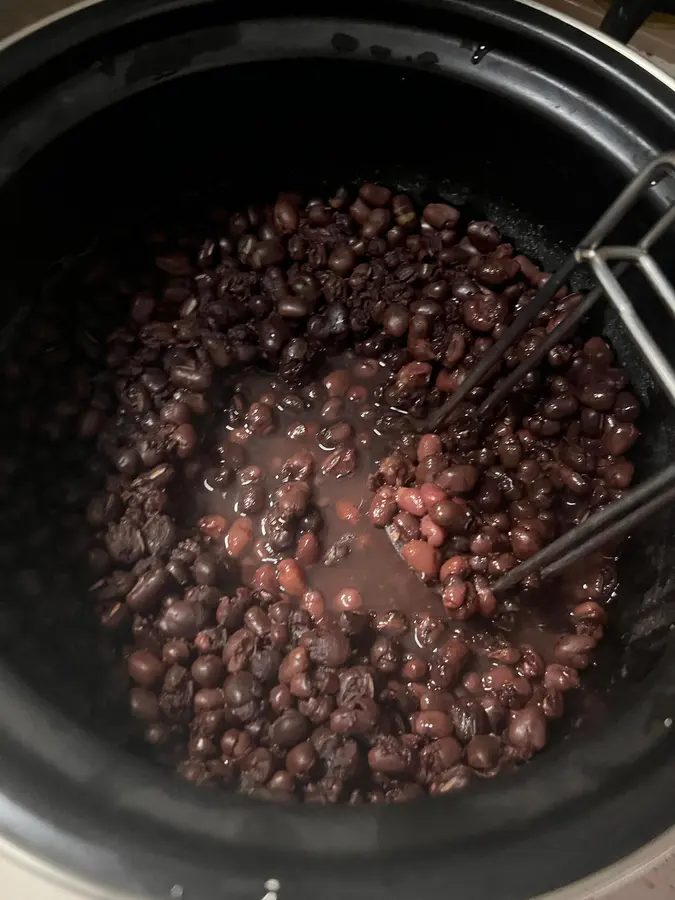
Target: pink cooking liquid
373, 568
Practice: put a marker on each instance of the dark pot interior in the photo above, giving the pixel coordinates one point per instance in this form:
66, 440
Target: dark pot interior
508, 139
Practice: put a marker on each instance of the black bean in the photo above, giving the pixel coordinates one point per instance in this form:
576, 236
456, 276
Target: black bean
143, 705
626, 407
290, 729
525, 543
527, 730
192, 379
385, 655
301, 759
598, 396
182, 620
619, 437
440, 215
396, 320
483, 751
208, 671
159, 533
240, 688
145, 668
292, 499
251, 498
377, 222
286, 217
330, 648
573, 650
185, 440
148, 591
459, 479
294, 307
342, 260
375, 194
483, 235
124, 542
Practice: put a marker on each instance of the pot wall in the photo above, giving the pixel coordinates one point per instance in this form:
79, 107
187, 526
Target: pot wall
539, 132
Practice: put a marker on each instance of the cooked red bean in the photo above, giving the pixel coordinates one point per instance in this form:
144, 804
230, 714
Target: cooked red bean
410, 500
233, 421
213, 526
239, 537
431, 493
432, 532
573, 650
383, 507
290, 577
429, 445
432, 724
348, 599
561, 678
422, 558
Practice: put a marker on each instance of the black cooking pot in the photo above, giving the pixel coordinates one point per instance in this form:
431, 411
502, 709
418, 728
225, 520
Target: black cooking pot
499, 107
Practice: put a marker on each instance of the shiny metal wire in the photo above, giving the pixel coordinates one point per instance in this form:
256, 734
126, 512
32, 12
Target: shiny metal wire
608, 264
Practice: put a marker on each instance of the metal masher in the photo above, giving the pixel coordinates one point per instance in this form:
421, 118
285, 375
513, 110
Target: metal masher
621, 516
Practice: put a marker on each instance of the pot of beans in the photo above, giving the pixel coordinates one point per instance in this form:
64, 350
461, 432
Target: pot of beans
250, 642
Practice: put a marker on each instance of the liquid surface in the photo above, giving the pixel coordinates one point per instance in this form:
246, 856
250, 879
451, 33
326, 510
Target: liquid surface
369, 564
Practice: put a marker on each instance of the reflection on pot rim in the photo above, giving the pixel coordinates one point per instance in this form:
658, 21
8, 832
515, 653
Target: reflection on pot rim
628, 52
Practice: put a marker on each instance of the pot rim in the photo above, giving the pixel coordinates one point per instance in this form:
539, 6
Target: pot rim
623, 49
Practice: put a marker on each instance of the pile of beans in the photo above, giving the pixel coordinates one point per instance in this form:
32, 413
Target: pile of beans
194, 430
477, 500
